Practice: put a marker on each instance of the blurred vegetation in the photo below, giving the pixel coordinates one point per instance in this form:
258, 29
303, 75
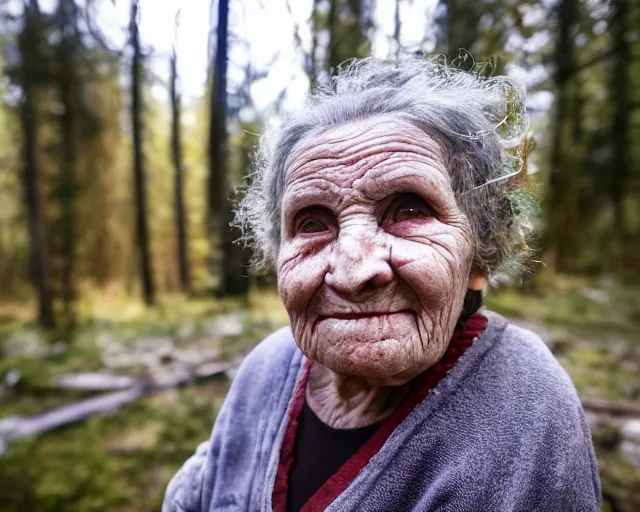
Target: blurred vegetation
592, 326
118, 462
115, 208
122, 460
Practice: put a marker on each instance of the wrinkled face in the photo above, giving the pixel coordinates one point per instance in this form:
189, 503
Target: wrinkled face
375, 254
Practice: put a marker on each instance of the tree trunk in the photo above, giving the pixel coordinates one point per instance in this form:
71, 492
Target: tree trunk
39, 259
621, 100
313, 57
66, 17
218, 121
362, 20
176, 153
333, 61
561, 196
236, 257
38, 252
233, 279
396, 30
462, 27
142, 233
347, 24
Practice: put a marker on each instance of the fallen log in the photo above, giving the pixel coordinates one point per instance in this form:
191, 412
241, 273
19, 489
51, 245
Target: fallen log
20, 427
611, 407
17, 427
96, 381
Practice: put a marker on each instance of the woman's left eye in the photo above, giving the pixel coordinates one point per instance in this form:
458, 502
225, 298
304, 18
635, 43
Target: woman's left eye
410, 214
408, 207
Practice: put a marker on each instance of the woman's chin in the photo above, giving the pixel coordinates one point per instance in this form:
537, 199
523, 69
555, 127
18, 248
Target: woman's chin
383, 363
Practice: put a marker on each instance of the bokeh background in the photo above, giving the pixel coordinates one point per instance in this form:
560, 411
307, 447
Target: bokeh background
125, 128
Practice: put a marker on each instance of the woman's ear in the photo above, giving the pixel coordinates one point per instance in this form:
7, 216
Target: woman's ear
477, 281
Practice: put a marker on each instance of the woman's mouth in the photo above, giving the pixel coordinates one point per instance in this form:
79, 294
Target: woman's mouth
369, 315
360, 315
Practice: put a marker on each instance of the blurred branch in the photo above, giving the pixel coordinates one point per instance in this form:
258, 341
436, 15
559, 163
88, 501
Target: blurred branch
296, 29
578, 68
94, 31
611, 407
176, 27
15, 428
313, 64
396, 31
595, 60
213, 29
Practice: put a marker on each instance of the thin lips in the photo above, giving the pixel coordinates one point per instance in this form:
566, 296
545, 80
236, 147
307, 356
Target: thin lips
357, 316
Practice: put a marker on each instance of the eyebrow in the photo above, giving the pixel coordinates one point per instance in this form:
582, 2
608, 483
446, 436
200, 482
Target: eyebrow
407, 176
298, 195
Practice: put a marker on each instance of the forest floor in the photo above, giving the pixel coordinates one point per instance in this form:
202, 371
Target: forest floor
122, 461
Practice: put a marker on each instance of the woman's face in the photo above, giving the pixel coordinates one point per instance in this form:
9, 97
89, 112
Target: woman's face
375, 255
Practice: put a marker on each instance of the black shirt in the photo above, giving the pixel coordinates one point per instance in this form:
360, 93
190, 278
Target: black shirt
319, 452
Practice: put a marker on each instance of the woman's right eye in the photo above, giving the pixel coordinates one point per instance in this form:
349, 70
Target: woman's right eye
313, 220
312, 226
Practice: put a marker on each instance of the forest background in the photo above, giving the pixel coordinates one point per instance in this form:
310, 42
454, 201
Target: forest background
126, 132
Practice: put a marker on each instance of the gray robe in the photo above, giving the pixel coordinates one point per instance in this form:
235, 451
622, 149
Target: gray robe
503, 431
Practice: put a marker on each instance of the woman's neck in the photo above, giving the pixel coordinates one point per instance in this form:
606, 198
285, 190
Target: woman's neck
342, 401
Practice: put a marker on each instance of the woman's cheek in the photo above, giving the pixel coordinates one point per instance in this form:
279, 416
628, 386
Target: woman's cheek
300, 274
421, 268
435, 270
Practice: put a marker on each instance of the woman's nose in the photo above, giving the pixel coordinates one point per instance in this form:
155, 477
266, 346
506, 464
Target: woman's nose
358, 262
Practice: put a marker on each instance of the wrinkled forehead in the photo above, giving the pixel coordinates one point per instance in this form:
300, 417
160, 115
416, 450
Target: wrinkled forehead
351, 146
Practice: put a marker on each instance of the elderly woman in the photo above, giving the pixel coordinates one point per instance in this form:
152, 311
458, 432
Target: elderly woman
386, 203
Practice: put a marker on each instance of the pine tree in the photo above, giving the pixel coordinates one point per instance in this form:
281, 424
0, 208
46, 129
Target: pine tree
142, 230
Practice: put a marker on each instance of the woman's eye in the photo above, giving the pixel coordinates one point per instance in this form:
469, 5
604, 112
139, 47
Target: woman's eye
312, 226
410, 214
408, 207
314, 219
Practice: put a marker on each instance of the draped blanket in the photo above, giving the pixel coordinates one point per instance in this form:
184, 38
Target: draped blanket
503, 431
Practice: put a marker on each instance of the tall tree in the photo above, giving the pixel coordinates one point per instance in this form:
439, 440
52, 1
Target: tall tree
397, 25
332, 22
30, 42
562, 196
218, 157
234, 279
483, 28
67, 81
460, 26
620, 93
142, 231
176, 154
313, 55
347, 24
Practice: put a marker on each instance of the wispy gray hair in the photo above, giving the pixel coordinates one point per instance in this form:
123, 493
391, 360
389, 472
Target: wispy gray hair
480, 124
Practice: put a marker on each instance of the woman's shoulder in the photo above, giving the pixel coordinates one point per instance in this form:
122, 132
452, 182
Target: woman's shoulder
518, 364
263, 372
184, 491
536, 404
265, 375
256, 387
271, 358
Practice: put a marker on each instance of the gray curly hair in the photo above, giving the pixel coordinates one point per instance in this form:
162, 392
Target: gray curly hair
479, 123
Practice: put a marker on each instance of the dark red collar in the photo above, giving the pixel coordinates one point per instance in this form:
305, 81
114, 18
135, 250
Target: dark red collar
420, 387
